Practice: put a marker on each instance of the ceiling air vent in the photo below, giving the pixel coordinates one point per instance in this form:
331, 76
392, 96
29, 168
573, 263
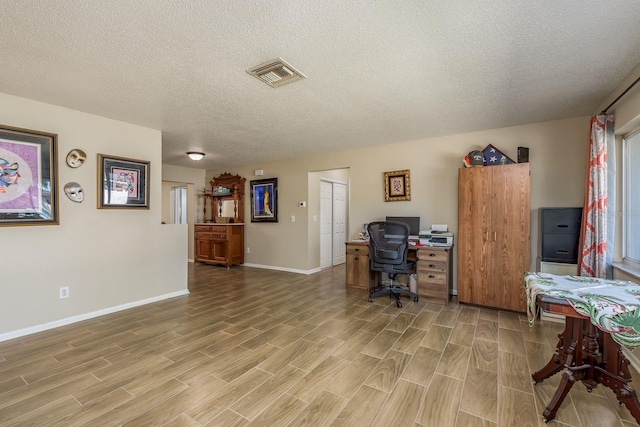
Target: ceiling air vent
276, 73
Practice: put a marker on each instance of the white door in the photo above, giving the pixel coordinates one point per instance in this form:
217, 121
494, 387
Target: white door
339, 222
326, 238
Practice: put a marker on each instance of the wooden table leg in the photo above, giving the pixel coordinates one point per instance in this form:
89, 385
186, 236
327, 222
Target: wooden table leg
568, 380
559, 359
573, 361
614, 373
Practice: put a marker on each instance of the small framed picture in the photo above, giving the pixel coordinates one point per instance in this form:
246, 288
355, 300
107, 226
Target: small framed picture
264, 200
28, 177
397, 186
122, 183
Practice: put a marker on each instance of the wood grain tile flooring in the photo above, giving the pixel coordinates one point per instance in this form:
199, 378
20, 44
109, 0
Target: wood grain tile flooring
253, 347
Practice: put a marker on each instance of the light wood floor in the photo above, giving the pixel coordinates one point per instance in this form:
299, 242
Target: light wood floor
253, 347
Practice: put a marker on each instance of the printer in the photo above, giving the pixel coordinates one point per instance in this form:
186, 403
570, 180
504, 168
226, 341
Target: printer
437, 236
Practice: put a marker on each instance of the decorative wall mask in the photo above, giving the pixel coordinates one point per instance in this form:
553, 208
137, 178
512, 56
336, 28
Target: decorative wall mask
76, 158
74, 192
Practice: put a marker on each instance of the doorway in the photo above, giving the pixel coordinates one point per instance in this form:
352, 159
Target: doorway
178, 205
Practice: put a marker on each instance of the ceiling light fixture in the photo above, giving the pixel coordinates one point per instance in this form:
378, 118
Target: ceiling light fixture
194, 155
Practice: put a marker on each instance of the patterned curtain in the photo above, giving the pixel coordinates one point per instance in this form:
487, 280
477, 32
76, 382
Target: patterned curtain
596, 236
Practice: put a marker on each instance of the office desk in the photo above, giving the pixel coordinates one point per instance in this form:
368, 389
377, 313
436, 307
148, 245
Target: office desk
591, 354
433, 269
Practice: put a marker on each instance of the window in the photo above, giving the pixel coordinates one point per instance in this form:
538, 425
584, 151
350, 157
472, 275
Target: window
631, 199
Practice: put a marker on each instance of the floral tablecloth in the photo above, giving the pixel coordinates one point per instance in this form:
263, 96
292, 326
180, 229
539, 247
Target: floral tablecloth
612, 305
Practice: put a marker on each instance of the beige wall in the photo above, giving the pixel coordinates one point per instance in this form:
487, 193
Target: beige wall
557, 155
109, 258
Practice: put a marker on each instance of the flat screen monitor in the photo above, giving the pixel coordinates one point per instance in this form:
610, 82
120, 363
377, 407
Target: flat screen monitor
412, 221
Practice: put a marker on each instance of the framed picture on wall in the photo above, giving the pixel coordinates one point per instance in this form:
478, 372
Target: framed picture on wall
397, 186
122, 183
264, 200
28, 177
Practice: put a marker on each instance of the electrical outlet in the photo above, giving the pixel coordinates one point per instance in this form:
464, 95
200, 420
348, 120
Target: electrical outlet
64, 292
248, 250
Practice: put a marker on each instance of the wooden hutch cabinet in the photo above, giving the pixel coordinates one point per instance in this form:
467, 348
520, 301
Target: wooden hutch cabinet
220, 239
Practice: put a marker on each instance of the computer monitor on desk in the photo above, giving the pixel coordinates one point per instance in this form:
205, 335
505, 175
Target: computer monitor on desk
412, 221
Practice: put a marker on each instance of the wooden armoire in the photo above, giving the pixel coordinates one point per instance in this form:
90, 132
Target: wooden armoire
494, 235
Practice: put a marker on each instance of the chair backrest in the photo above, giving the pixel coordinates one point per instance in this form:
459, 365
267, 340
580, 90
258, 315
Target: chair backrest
388, 246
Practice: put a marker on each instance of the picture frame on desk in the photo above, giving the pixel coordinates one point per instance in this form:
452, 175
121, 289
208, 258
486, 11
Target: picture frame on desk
264, 200
28, 177
397, 186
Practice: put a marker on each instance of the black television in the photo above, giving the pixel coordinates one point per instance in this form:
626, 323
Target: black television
412, 221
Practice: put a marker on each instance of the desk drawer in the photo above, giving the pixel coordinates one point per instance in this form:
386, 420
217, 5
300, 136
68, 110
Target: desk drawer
211, 236
429, 266
431, 277
211, 228
433, 291
358, 250
432, 255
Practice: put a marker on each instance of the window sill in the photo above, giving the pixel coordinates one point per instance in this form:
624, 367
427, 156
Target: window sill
627, 270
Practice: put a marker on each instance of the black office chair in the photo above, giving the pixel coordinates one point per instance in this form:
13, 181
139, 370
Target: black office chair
388, 250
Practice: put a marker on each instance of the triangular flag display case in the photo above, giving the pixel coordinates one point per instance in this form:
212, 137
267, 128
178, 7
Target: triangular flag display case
493, 156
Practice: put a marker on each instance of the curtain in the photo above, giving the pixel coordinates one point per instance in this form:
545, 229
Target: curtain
596, 235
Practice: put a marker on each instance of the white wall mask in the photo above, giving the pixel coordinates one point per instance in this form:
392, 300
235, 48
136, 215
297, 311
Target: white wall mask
74, 192
76, 158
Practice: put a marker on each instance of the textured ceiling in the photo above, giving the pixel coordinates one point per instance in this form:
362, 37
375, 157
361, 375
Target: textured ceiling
377, 71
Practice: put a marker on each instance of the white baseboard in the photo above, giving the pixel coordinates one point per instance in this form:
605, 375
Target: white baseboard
86, 316
290, 270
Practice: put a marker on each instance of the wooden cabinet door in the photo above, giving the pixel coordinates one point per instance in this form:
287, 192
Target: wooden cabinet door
358, 274
474, 248
219, 250
510, 233
203, 249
